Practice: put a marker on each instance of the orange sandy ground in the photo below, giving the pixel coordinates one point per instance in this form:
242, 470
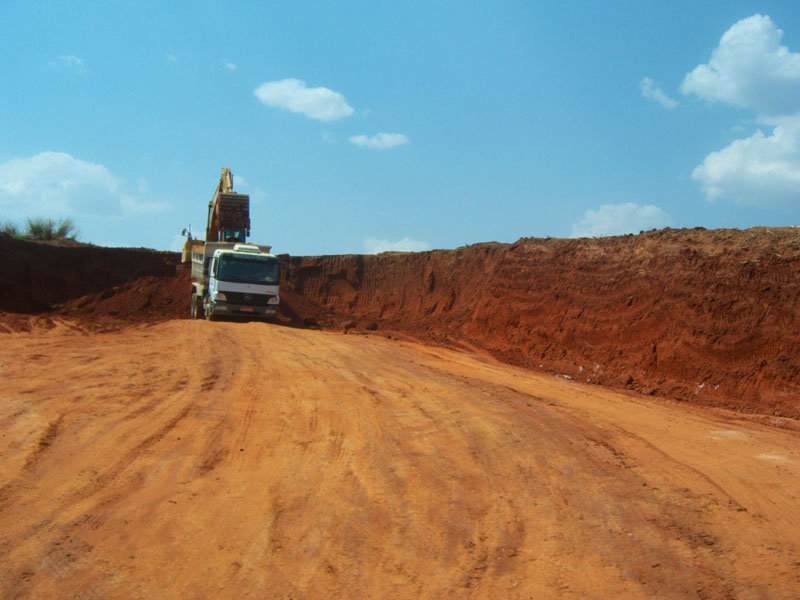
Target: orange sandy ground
228, 460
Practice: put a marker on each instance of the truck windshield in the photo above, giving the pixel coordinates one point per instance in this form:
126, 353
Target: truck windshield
247, 269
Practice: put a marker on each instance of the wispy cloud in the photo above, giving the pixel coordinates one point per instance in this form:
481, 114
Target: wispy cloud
376, 246
231, 66
58, 185
653, 91
619, 219
69, 62
380, 141
256, 193
134, 206
319, 103
751, 69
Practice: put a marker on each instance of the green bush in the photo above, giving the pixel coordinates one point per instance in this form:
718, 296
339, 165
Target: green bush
41, 229
48, 229
10, 228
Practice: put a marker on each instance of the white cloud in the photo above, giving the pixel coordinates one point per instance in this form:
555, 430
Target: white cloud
619, 219
318, 103
380, 141
750, 69
231, 66
761, 170
54, 184
133, 207
70, 62
652, 91
375, 246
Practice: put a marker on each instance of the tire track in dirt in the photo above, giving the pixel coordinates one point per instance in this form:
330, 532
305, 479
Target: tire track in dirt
597, 444
374, 468
108, 484
8, 490
111, 474
476, 451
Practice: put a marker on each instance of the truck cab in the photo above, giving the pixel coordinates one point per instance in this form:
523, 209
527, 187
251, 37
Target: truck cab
242, 282
234, 280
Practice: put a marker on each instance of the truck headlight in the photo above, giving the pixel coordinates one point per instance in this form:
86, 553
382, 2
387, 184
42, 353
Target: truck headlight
221, 296
273, 300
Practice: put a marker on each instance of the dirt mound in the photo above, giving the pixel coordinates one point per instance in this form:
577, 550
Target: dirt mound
705, 316
148, 298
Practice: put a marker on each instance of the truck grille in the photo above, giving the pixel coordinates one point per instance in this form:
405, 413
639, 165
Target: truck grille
248, 299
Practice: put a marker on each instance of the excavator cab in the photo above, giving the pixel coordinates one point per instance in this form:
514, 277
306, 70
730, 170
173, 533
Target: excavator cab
234, 235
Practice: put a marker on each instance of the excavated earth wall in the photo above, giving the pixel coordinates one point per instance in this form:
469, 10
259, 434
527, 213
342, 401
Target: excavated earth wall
96, 284
707, 316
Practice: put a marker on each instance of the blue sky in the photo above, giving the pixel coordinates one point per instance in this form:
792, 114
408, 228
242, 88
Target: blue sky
368, 126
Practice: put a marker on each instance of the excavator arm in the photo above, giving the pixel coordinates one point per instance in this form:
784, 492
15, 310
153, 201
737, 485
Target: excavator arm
225, 181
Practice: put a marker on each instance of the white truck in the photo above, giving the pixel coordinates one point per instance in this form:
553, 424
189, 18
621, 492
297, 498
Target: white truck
230, 277
234, 280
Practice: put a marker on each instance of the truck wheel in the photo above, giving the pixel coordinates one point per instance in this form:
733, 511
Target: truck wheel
207, 313
196, 309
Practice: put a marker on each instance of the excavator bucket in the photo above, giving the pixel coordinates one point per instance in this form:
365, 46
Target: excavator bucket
229, 217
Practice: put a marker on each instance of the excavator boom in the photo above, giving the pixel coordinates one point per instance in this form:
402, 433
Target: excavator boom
225, 181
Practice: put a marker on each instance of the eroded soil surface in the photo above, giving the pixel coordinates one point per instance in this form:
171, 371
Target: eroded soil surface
189, 459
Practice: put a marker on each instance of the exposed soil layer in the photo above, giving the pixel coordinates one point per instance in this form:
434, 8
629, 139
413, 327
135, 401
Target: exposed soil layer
38, 277
709, 316
706, 316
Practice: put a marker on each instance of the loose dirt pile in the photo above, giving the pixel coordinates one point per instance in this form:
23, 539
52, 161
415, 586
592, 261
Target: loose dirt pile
705, 316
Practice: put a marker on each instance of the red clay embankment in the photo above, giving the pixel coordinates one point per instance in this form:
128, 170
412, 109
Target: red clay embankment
92, 283
708, 316
705, 316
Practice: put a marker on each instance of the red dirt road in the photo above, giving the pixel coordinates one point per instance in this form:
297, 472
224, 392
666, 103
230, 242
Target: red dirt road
227, 460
